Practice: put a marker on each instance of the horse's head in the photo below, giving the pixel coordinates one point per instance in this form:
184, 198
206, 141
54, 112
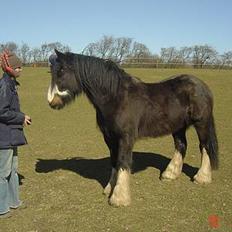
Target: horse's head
64, 84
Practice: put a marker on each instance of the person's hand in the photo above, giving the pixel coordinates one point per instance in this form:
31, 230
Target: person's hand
27, 120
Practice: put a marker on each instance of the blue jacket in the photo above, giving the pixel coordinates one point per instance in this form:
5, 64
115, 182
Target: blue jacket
11, 118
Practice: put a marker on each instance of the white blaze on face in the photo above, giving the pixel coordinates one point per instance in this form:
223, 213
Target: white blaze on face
53, 91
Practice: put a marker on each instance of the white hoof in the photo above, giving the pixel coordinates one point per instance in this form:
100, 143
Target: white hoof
174, 168
119, 198
204, 174
107, 189
202, 178
170, 175
121, 192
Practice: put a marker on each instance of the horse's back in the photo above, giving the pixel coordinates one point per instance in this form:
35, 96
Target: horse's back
174, 103
185, 80
189, 86
193, 92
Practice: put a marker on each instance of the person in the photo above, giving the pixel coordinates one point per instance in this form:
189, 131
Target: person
12, 121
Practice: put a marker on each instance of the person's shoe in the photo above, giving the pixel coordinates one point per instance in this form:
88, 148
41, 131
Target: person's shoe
5, 215
21, 205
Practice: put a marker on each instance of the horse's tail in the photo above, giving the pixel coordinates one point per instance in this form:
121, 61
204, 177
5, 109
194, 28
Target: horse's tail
212, 144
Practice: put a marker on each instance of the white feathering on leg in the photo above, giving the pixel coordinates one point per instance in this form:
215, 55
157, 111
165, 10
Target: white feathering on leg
121, 192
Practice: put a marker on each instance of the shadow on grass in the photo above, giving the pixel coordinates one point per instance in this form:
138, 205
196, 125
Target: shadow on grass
99, 169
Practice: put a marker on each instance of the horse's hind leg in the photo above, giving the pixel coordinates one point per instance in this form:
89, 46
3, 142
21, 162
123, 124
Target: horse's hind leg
204, 174
209, 151
174, 168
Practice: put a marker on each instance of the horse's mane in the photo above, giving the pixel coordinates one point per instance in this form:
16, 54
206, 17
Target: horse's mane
99, 76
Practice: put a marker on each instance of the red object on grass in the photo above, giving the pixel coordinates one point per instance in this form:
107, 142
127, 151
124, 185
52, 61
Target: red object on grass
213, 221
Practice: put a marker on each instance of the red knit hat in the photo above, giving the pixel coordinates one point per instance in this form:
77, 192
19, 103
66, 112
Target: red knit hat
9, 62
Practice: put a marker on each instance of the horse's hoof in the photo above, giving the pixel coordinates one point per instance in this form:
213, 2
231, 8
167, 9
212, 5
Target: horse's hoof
107, 190
200, 178
120, 197
119, 202
169, 176
164, 179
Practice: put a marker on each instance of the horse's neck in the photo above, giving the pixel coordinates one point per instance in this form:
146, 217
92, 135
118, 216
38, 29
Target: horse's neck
102, 82
99, 83
98, 94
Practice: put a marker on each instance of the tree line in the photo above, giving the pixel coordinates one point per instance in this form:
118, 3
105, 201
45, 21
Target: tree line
34, 55
128, 52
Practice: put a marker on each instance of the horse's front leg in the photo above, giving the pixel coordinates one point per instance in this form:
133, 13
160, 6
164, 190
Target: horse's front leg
112, 143
121, 193
112, 182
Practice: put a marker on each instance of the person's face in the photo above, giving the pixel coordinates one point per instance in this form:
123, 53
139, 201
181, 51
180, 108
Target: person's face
18, 70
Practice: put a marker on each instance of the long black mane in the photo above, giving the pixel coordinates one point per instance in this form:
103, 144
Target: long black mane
99, 77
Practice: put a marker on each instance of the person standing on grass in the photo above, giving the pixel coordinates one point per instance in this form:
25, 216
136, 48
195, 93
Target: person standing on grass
12, 121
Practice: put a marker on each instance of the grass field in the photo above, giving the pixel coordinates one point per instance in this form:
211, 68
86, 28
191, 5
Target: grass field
66, 165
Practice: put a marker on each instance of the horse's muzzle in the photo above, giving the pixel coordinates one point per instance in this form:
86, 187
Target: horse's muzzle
56, 103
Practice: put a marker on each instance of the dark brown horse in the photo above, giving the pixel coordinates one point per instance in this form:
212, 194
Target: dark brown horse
128, 109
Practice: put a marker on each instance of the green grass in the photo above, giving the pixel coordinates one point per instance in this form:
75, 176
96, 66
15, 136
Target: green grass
66, 164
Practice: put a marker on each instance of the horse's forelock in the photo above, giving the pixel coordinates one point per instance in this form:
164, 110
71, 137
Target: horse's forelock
52, 59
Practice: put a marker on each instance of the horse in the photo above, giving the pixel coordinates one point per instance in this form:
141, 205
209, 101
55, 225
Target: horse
128, 109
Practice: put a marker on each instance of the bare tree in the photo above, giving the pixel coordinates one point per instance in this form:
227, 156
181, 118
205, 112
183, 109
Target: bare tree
109, 48
140, 51
66, 48
48, 48
185, 54
127, 52
44, 52
169, 55
90, 49
226, 60
122, 48
36, 55
202, 54
24, 52
105, 47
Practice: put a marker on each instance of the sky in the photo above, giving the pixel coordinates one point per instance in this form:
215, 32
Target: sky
155, 23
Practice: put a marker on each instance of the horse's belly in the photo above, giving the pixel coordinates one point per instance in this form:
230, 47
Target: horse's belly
160, 127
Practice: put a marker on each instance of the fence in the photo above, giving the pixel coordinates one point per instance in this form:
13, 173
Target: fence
152, 63
37, 64
128, 63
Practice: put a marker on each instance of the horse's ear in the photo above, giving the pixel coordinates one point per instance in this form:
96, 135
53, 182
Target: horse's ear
59, 54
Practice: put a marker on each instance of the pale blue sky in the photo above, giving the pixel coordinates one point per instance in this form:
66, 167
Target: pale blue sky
157, 24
